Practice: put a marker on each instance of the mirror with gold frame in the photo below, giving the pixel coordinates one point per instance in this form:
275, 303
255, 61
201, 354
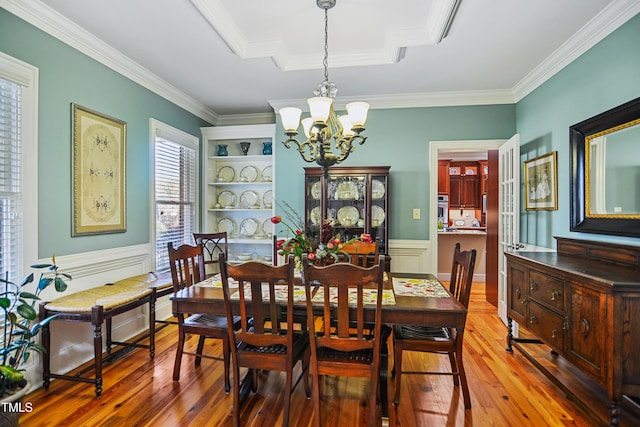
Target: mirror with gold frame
605, 172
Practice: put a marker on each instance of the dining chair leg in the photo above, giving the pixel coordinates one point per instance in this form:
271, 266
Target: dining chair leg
236, 395
226, 355
306, 371
288, 383
463, 380
397, 370
373, 397
200, 350
179, 350
454, 369
316, 401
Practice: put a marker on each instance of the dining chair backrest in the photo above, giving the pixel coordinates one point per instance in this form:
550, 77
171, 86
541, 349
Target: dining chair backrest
259, 285
343, 305
212, 245
359, 252
187, 265
462, 274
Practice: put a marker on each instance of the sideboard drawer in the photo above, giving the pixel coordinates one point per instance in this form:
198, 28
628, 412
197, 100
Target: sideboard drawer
547, 289
547, 325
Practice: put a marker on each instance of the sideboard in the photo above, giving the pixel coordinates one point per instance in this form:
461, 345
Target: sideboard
583, 301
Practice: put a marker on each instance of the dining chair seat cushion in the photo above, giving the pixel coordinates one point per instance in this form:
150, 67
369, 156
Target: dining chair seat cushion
300, 342
357, 356
208, 320
408, 332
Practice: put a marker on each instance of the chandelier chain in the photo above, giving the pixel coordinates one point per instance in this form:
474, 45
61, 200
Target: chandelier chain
325, 62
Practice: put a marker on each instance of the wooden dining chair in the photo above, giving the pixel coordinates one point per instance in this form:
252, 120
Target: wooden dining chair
359, 252
263, 341
187, 269
438, 339
342, 342
212, 245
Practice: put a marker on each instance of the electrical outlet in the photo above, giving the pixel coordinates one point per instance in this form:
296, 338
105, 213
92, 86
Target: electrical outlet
416, 213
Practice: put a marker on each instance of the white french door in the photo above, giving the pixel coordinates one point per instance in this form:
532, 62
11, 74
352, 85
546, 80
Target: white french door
509, 212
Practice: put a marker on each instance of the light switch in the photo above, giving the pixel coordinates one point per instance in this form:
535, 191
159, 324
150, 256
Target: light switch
416, 213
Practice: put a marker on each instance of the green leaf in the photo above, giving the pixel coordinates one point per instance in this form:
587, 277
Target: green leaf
10, 373
44, 283
5, 302
27, 280
60, 285
27, 312
29, 295
37, 266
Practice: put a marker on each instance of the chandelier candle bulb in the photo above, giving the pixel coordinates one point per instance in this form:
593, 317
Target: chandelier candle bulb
306, 126
345, 121
358, 113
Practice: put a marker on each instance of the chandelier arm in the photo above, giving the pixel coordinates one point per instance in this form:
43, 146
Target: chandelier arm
302, 148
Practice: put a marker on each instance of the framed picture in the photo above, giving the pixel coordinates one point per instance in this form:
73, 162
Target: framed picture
541, 182
98, 173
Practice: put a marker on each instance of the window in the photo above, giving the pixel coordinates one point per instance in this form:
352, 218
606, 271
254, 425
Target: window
175, 189
18, 167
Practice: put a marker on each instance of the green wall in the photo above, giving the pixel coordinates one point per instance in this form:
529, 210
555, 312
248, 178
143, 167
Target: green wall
400, 138
602, 78
67, 76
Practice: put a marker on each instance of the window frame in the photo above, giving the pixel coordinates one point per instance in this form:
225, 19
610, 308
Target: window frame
158, 129
26, 75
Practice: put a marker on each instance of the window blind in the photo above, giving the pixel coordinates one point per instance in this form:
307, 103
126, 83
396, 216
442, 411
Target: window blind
11, 222
175, 193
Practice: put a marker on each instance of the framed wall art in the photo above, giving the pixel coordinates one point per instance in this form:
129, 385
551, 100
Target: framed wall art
541, 182
98, 173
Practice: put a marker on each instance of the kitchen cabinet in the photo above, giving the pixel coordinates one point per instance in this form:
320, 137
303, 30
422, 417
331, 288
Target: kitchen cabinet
355, 198
464, 185
239, 191
583, 301
443, 176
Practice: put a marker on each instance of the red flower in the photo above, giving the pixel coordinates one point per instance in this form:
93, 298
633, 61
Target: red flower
279, 243
336, 241
330, 245
366, 238
276, 219
299, 233
311, 256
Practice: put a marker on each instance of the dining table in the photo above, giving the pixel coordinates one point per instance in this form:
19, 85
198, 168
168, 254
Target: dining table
416, 299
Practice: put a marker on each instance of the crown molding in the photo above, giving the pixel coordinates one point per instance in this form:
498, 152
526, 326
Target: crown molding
46, 19
412, 100
606, 22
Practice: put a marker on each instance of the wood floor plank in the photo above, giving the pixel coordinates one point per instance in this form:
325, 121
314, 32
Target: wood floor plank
506, 390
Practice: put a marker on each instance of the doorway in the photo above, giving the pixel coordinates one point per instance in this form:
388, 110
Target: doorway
467, 150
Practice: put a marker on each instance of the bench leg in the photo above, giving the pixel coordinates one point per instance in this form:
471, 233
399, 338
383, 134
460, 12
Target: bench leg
46, 357
96, 321
152, 325
109, 336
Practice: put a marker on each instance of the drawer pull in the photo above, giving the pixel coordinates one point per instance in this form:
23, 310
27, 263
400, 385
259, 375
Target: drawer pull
555, 295
533, 287
525, 300
518, 293
554, 333
533, 320
584, 327
565, 324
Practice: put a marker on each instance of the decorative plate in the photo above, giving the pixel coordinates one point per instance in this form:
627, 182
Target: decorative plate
267, 199
226, 174
315, 190
249, 199
249, 226
377, 189
227, 199
267, 227
315, 216
227, 225
377, 216
248, 174
347, 190
267, 174
348, 216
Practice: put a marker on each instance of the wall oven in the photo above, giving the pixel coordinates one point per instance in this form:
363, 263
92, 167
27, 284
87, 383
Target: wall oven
443, 208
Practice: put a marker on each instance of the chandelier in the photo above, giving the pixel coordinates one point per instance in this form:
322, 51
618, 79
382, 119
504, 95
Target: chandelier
324, 125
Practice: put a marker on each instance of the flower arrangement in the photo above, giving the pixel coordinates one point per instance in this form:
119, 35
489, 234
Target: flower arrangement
323, 252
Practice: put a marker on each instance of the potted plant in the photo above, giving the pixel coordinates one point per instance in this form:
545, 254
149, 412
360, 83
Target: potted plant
19, 317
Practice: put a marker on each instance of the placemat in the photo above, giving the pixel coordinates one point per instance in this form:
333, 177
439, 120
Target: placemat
419, 288
369, 296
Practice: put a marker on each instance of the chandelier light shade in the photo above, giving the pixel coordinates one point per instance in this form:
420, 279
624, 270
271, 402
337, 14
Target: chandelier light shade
324, 126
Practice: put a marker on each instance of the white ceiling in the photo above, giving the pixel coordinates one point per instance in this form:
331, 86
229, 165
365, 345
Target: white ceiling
229, 57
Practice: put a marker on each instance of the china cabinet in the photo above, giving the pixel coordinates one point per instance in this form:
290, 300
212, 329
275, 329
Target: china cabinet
443, 176
583, 301
239, 191
356, 198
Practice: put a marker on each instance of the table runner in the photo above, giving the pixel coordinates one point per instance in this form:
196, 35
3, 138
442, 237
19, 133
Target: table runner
419, 288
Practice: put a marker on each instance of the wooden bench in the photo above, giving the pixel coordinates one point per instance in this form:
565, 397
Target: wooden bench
99, 305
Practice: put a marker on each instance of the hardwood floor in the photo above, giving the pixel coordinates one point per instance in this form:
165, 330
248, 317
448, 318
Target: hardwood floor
506, 390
